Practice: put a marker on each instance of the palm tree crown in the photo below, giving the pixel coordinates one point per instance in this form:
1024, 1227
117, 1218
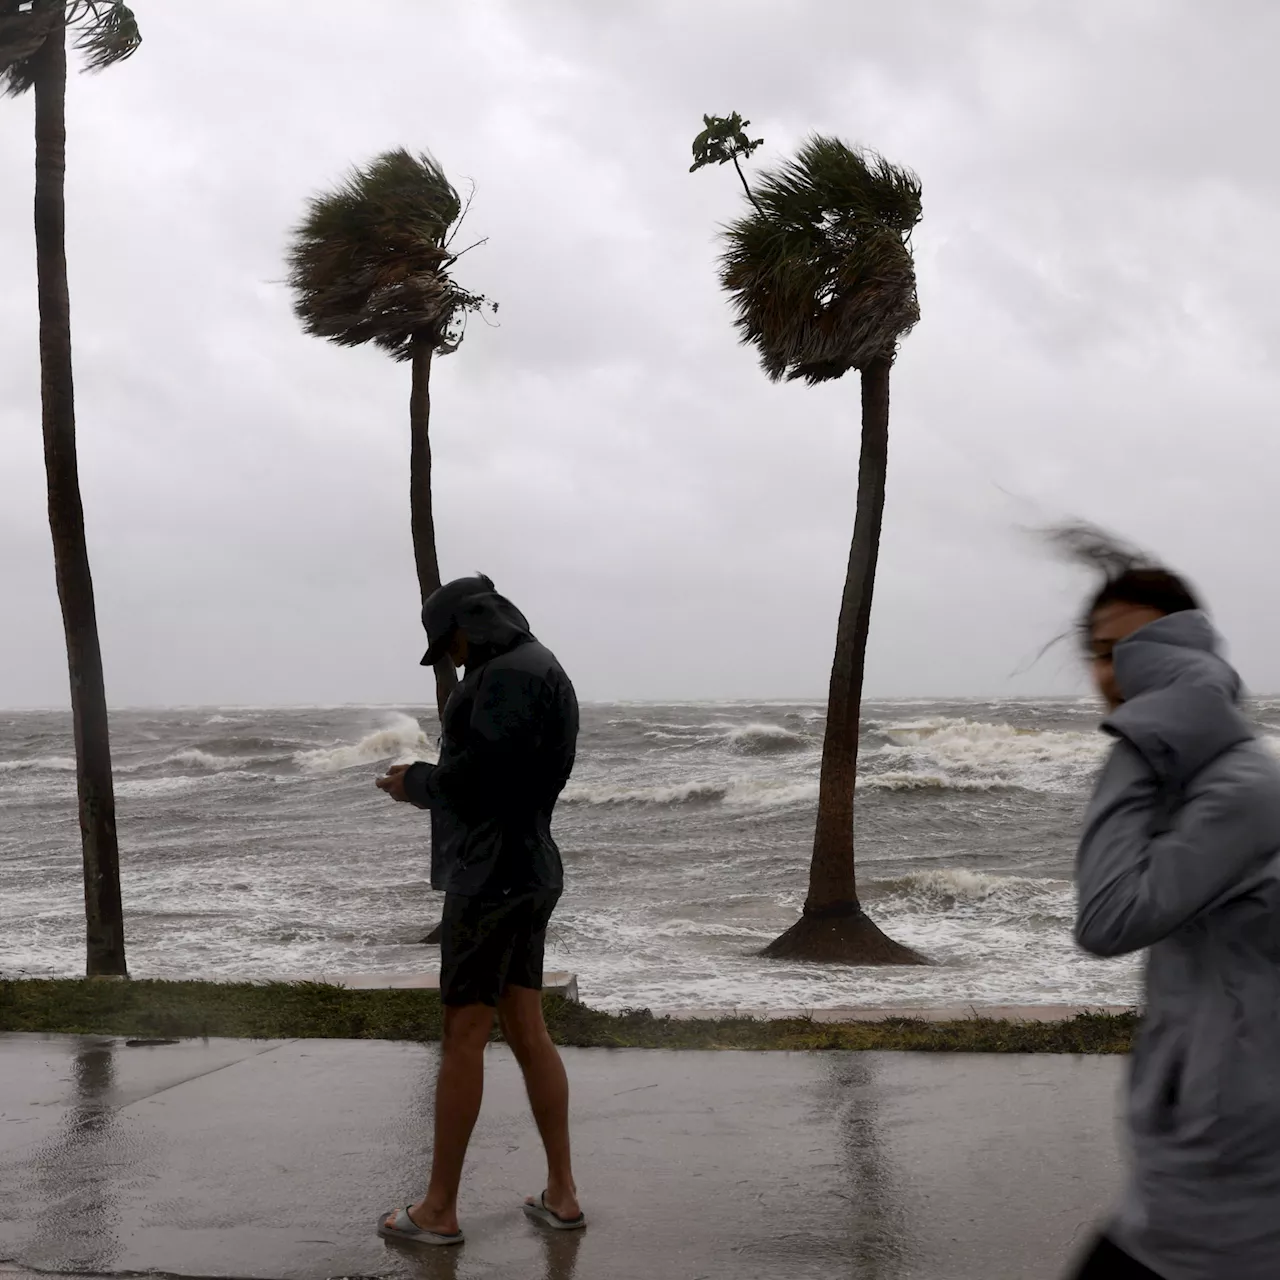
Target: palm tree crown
370, 261
106, 32
820, 271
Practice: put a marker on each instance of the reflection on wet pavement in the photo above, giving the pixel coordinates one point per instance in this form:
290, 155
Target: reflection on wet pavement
77, 1170
273, 1160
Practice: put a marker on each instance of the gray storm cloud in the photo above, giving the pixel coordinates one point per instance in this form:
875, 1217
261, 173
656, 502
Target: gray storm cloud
1098, 339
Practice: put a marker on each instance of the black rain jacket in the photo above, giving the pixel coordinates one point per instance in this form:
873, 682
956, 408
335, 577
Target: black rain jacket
509, 738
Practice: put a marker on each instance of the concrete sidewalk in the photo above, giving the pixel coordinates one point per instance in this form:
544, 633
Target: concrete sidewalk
273, 1160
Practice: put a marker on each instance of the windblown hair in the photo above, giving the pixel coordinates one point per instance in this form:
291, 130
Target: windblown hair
1128, 575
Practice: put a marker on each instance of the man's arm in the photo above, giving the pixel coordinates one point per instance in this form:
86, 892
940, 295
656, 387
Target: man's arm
493, 772
1135, 888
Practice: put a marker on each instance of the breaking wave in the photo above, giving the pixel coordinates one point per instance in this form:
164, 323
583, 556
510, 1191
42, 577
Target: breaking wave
757, 738
40, 764
902, 781
949, 890
738, 793
151, 787
687, 793
194, 758
976, 755
940, 754
399, 741
765, 739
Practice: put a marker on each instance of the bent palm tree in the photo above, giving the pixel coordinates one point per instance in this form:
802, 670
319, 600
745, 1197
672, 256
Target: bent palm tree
822, 280
370, 262
33, 56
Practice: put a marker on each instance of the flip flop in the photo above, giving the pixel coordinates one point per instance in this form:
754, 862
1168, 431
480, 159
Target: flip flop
405, 1229
541, 1212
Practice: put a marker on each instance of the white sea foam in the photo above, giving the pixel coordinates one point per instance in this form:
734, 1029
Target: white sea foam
148, 787
994, 939
944, 888
194, 758
993, 755
400, 740
678, 793
907, 781
733, 793
767, 792
686, 854
40, 764
775, 795
934, 754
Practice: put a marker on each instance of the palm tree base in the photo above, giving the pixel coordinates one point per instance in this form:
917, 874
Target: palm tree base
840, 937
433, 938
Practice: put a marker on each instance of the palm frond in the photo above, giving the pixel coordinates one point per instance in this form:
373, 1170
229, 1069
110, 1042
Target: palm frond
723, 139
820, 272
23, 30
370, 261
105, 31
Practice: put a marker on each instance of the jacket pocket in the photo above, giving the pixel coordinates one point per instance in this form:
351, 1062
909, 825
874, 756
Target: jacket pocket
1157, 1083
1248, 1100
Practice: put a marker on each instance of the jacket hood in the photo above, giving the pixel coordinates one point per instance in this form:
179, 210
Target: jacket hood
1180, 709
491, 623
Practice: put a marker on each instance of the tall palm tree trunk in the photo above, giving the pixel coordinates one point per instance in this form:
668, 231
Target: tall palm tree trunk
833, 926
103, 914
421, 515
422, 519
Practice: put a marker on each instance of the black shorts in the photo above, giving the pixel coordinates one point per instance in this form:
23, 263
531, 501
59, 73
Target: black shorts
490, 943
1106, 1261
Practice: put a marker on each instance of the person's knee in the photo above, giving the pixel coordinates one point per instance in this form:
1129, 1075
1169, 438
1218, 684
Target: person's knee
467, 1027
525, 1042
522, 1024
519, 1036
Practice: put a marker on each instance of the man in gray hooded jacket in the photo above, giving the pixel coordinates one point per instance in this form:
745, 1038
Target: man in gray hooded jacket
1180, 855
509, 737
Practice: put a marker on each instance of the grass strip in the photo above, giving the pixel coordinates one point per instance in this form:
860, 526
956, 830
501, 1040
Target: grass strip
143, 1009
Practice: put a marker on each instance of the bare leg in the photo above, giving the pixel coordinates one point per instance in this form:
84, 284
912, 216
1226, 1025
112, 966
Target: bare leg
458, 1093
520, 1012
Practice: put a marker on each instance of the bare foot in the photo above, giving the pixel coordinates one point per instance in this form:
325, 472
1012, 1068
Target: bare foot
441, 1224
564, 1204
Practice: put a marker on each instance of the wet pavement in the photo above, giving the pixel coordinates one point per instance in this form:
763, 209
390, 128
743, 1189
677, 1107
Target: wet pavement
273, 1160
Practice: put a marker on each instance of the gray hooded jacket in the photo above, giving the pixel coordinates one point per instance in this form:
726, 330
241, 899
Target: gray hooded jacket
1179, 854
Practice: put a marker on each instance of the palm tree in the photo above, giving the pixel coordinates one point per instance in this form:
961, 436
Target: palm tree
822, 281
370, 262
33, 55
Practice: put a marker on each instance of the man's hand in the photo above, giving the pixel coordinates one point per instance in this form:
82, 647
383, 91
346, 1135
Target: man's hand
393, 783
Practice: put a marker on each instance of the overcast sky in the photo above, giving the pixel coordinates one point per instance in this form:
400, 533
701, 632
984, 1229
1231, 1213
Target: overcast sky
1100, 332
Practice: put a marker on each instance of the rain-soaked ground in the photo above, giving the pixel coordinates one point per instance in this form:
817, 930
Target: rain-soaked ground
273, 1160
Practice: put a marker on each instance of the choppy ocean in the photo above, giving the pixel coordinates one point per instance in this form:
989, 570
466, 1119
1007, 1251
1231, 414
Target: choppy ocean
254, 844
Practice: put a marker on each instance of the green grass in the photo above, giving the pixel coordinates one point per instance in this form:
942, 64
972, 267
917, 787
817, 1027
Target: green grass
153, 1010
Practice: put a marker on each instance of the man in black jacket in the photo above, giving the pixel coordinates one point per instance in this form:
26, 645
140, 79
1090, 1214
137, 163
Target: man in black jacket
510, 733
